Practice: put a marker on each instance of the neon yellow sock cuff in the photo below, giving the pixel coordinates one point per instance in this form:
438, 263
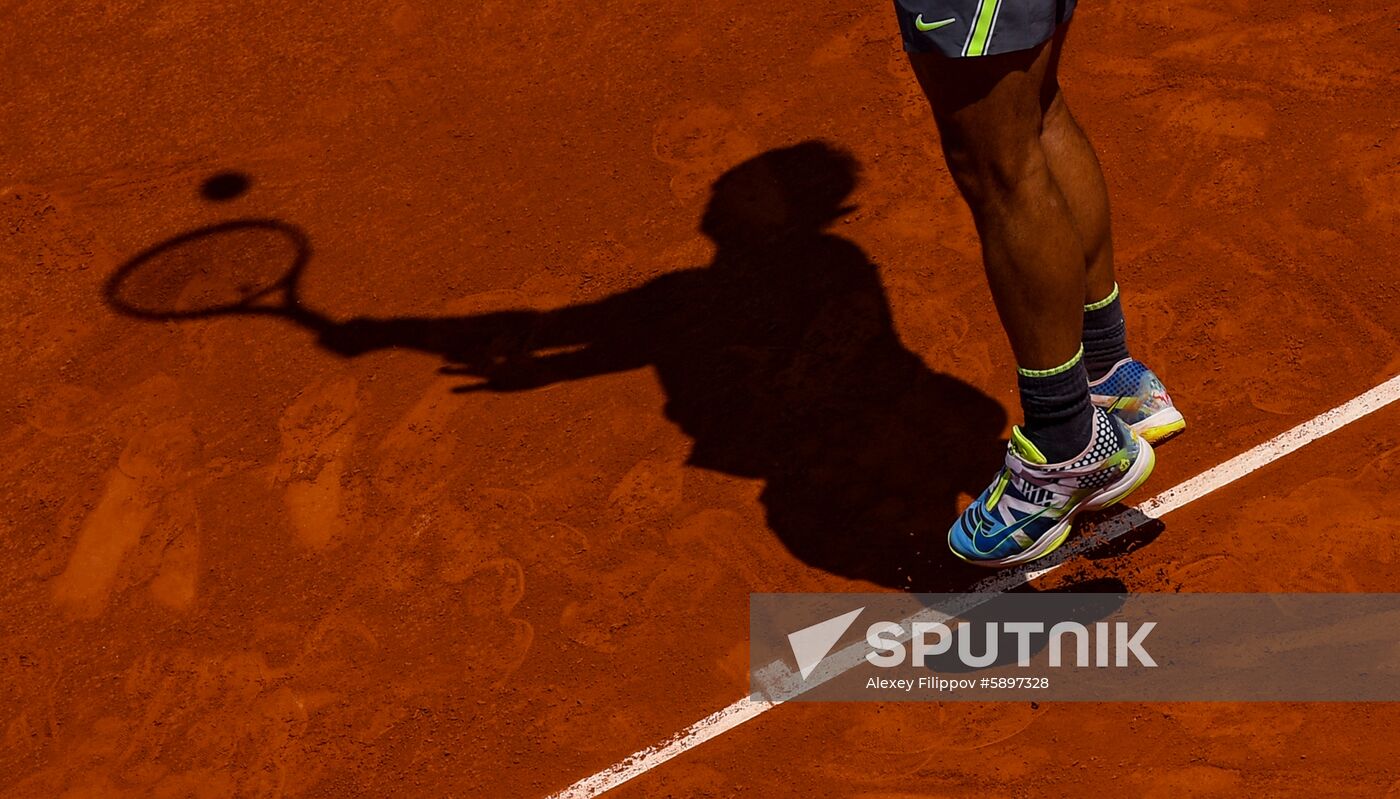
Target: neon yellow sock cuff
1103, 303
1054, 370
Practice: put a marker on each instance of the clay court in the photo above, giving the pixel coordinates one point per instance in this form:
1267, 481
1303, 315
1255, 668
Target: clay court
313, 551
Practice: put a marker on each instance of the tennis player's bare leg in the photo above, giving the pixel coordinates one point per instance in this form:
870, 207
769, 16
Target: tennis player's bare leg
1080, 178
990, 113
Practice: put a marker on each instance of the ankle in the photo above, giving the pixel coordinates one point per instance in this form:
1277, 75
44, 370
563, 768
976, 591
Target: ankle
1105, 335
1059, 416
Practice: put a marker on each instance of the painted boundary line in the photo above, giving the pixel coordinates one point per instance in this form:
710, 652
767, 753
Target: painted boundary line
1184, 493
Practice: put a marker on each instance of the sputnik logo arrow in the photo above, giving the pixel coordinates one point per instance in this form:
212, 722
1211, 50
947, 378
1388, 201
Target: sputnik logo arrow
811, 644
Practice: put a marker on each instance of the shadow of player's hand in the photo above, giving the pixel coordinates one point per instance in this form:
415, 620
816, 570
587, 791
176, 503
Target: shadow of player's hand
355, 337
503, 373
485, 379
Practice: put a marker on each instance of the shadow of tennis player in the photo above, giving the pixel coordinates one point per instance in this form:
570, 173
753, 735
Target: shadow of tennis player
780, 360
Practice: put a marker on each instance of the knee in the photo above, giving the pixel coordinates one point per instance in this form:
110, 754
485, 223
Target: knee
990, 173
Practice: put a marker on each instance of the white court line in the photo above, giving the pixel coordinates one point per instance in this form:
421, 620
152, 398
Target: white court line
1177, 496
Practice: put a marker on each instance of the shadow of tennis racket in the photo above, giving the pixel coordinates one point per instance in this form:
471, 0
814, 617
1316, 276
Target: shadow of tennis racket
254, 267
243, 267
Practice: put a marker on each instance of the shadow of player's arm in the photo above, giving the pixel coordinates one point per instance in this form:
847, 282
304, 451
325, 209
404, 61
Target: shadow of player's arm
466, 339
513, 350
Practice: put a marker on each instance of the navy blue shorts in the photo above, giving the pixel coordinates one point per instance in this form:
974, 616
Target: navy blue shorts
967, 28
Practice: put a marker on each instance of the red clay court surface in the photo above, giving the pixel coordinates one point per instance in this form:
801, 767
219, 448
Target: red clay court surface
242, 557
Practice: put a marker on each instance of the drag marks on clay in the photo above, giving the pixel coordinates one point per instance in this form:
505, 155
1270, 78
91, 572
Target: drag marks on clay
368, 670
318, 433
212, 707
652, 487
490, 596
440, 561
153, 465
415, 456
452, 637
605, 619
180, 528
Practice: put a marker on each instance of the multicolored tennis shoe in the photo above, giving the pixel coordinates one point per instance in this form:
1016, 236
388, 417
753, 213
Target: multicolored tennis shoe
1132, 393
1029, 508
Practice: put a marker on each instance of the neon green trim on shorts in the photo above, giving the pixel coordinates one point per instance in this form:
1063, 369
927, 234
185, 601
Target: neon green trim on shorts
1103, 303
982, 28
1054, 370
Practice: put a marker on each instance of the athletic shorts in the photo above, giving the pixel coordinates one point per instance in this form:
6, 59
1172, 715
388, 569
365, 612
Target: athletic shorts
965, 28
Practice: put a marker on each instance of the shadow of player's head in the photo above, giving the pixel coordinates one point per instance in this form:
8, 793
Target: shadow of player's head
793, 191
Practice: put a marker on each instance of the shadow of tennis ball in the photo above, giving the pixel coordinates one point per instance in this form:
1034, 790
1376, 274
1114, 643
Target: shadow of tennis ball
214, 269
224, 186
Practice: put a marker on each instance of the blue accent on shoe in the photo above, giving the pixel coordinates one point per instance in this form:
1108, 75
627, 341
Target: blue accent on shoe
1028, 510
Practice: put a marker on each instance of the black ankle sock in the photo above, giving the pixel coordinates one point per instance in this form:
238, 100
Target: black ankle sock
1105, 335
1059, 417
